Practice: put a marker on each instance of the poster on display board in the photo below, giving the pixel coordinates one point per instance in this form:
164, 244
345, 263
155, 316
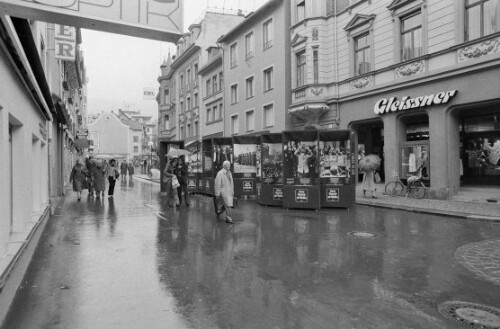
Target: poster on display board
332, 195
335, 162
245, 156
277, 193
300, 152
207, 163
271, 164
222, 150
194, 160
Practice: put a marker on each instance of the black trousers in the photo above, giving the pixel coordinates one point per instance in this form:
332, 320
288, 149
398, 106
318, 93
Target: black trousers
184, 188
111, 188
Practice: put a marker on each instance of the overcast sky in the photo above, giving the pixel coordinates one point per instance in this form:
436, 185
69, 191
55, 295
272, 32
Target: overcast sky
119, 67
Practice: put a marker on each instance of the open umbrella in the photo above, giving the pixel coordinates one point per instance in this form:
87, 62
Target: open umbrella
175, 153
369, 162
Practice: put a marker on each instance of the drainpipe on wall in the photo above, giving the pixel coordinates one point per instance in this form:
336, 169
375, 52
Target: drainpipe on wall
337, 119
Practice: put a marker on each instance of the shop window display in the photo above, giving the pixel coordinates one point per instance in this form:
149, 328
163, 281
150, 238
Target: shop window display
415, 161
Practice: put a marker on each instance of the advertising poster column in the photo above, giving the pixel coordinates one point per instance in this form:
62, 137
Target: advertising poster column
270, 169
245, 165
207, 175
165, 147
337, 168
222, 150
194, 163
300, 169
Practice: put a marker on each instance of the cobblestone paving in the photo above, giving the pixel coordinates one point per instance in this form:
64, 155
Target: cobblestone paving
482, 258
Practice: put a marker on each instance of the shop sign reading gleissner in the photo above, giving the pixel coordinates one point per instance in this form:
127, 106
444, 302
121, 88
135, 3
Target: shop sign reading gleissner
407, 103
152, 19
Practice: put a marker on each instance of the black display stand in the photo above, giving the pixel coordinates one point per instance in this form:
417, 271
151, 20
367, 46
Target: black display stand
301, 197
271, 169
337, 162
207, 166
271, 195
300, 170
245, 165
164, 147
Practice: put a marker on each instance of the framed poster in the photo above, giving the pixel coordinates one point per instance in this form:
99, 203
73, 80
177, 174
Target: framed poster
277, 193
335, 162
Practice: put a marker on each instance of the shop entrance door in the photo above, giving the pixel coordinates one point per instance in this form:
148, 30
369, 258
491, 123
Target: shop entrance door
371, 141
480, 153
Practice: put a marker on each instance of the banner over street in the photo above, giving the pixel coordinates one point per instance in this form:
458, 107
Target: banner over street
151, 19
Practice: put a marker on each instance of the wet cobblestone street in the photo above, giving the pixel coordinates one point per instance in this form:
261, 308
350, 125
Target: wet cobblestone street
135, 262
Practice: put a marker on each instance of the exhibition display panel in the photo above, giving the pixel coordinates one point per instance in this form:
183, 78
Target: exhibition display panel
270, 169
194, 162
300, 169
205, 183
245, 165
337, 168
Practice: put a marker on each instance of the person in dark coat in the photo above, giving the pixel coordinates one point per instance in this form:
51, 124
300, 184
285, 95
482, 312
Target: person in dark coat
130, 169
123, 170
78, 177
182, 176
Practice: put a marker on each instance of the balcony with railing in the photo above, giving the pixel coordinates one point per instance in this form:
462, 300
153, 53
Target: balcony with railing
310, 93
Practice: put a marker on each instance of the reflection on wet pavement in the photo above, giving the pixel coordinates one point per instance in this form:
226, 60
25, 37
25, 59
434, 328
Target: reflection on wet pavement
134, 262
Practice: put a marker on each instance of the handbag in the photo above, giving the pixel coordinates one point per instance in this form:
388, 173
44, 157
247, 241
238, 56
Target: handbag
175, 182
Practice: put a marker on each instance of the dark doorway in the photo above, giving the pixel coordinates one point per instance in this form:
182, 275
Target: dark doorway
371, 140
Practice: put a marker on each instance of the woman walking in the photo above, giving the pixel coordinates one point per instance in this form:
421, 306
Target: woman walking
78, 177
369, 165
182, 173
112, 174
168, 175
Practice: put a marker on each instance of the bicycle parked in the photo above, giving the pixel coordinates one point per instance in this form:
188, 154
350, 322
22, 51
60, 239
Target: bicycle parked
414, 187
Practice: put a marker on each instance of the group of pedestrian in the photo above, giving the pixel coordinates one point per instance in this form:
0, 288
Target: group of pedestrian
175, 177
92, 174
126, 168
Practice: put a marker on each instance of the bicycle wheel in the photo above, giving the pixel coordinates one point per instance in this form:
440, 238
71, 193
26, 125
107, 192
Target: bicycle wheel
418, 190
394, 188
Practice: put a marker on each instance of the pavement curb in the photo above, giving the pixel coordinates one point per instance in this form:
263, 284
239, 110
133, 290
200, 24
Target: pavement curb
431, 211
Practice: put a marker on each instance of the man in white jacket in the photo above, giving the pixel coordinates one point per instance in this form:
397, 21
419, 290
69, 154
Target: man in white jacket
224, 188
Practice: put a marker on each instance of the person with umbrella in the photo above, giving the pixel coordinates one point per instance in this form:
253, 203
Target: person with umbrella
368, 165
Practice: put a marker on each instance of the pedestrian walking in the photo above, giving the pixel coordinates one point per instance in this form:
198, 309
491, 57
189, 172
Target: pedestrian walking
123, 170
130, 170
224, 190
90, 165
182, 173
168, 179
112, 174
78, 178
369, 165
99, 179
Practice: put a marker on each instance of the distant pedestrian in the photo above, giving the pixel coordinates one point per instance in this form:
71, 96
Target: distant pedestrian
130, 170
123, 170
112, 174
224, 189
182, 173
90, 165
168, 175
78, 178
99, 179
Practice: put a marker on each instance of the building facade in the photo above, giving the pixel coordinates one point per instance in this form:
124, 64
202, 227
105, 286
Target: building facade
417, 80
212, 102
184, 70
257, 71
166, 102
39, 115
113, 137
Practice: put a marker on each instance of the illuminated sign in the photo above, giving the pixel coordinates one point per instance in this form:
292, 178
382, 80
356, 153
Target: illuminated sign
406, 103
152, 19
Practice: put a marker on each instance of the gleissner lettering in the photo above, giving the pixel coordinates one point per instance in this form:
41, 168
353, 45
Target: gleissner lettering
393, 105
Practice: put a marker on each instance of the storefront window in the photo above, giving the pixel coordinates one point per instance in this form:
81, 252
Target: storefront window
415, 160
481, 149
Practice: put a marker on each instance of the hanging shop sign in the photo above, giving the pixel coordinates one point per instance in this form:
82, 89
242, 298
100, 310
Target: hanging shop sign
152, 19
65, 42
407, 103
